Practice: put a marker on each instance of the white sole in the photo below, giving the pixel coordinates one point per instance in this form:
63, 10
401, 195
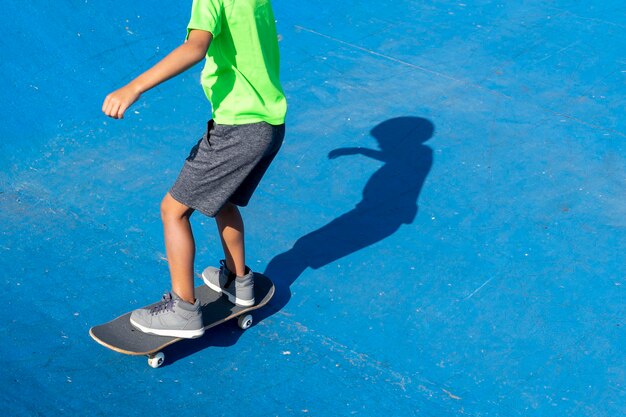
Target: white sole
185, 334
211, 285
237, 301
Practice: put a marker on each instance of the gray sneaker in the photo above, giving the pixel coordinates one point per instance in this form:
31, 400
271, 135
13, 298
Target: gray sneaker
239, 290
172, 316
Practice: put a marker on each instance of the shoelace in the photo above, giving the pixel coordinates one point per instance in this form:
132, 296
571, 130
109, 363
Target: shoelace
166, 304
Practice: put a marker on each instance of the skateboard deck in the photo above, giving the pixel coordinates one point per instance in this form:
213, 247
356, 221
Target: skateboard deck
119, 335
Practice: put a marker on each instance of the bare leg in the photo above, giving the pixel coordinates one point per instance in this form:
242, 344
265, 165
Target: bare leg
179, 246
230, 226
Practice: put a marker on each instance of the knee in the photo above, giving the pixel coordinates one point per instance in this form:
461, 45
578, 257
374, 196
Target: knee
228, 210
166, 210
172, 210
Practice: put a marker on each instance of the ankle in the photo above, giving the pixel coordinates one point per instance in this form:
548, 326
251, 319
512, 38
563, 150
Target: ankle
237, 270
245, 275
190, 299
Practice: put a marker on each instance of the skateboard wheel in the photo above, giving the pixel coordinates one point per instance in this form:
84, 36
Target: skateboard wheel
156, 360
245, 321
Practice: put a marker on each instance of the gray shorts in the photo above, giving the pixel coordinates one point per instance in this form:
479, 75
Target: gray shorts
226, 165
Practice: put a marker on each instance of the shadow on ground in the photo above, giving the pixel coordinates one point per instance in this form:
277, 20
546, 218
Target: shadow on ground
389, 200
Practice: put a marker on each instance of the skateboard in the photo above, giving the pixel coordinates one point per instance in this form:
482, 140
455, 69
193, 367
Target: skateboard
119, 335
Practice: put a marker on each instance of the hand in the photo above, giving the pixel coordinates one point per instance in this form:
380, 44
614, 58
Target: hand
116, 103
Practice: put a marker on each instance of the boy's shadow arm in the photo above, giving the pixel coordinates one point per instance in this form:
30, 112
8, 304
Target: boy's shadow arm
374, 154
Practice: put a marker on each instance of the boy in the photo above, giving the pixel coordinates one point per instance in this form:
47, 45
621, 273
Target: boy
241, 80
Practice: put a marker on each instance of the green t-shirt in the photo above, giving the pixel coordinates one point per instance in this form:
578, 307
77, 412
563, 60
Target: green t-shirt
241, 73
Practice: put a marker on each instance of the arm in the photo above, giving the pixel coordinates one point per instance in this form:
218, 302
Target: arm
179, 60
378, 155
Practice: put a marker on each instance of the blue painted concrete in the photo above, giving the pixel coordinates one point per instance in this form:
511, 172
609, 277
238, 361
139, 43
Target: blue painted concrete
445, 222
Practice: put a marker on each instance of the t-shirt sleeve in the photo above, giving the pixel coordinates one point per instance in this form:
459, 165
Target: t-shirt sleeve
206, 15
